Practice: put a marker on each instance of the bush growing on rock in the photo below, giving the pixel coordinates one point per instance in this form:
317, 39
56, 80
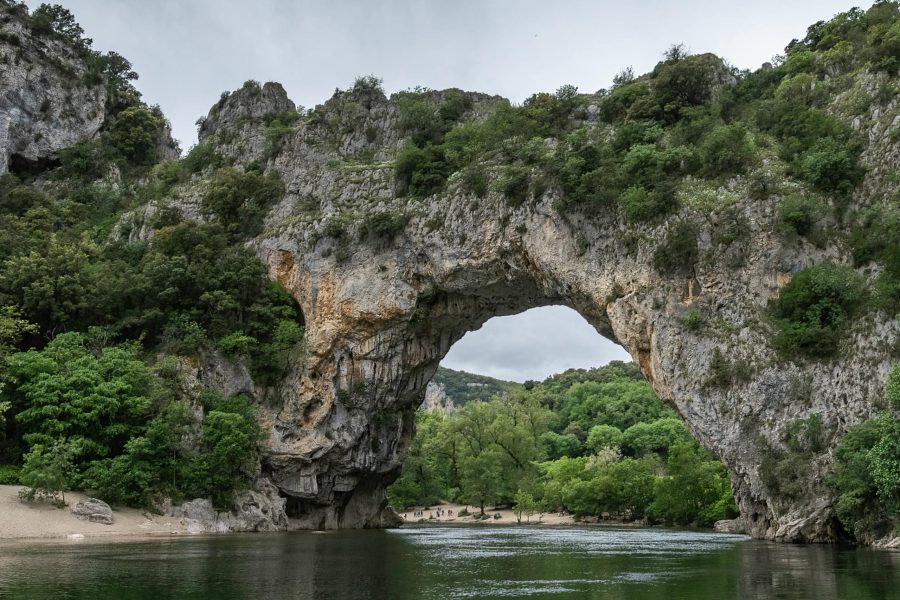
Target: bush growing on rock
678, 253
814, 308
726, 150
876, 237
799, 213
240, 200
134, 134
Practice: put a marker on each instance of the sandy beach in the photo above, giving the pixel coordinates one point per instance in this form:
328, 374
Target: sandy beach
449, 513
19, 520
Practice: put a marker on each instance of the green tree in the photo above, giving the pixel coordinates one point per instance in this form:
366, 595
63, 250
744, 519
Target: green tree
625, 487
557, 445
55, 18
604, 436
695, 489
658, 436
12, 327
526, 505
482, 478
95, 402
45, 473
135, 134
892, 388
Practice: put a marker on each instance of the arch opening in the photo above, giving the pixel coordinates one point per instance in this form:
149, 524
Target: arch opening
537, 416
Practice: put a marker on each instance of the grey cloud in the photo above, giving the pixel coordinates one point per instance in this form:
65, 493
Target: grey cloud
533, 345
189, 51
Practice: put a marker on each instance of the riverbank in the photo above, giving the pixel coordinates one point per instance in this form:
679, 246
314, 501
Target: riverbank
450, 513
20, 520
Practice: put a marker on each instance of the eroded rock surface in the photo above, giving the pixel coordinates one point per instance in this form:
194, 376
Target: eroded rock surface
382, 309
45, 104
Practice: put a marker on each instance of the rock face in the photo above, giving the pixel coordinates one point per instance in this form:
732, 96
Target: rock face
381, 310
45, 104
94, 510
259, 510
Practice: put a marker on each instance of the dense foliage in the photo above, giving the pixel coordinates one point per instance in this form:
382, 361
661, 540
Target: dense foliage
814, 308
867, 471
589, 442
98, 325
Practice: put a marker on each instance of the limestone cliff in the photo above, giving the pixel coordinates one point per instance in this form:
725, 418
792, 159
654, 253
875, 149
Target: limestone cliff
383, 306
46, 105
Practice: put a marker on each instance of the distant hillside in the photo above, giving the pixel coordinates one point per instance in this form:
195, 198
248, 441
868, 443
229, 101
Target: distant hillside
455, 388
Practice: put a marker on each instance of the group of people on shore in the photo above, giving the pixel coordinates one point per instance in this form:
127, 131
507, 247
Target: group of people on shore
438, 513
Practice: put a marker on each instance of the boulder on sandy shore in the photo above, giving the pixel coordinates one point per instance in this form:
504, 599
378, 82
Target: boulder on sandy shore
94, 510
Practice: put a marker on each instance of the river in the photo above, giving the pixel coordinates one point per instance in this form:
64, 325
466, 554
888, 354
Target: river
438, 562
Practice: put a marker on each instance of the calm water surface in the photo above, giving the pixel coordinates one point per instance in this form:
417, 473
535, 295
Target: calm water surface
437, 562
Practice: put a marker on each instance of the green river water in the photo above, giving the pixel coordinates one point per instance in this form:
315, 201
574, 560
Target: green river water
437, 562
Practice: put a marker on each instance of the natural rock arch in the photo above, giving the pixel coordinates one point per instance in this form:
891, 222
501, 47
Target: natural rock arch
382, 310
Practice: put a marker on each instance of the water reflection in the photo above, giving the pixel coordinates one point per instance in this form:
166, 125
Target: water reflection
447, 562
820, 572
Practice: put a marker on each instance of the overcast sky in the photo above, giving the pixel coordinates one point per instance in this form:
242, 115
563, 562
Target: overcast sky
533, 345
188, 52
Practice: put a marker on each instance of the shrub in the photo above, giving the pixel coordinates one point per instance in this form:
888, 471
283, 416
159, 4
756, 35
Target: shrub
678, 253
236, 343
201, 156
475, 181
239, 201
84, 160
876, 237
421, 171
798, 213
45, 473
384, 225
642, 204
726, 150
813, 309
693, 320
9, 474
134, 134
681, 82
277, 127
514, 185
831, 165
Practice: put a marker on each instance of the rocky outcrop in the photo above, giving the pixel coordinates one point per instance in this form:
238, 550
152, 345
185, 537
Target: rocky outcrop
45, 103
730, 526
252, 510
94, 510
436, 398
381, 310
